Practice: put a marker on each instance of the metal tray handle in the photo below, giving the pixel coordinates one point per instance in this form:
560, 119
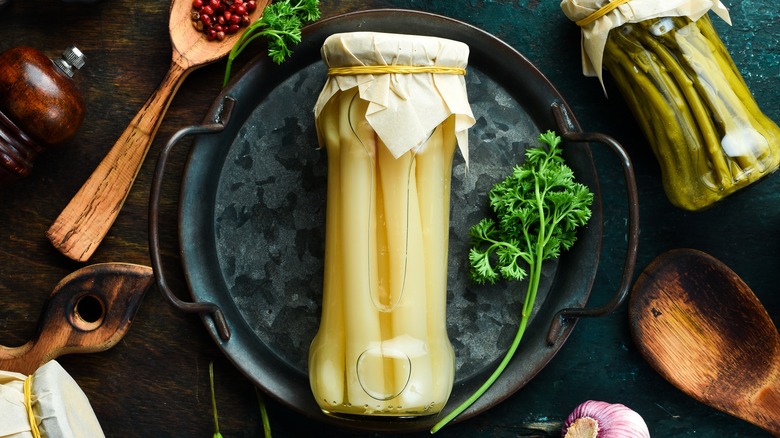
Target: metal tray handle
222, 119
571, 133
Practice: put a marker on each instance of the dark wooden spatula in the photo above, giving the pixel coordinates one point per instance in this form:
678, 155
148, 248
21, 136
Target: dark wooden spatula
88, 311
702, 328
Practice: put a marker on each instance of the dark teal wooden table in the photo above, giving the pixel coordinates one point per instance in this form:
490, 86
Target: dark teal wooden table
155, 382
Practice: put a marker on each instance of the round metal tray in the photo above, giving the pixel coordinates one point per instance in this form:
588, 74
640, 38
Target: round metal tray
252, 213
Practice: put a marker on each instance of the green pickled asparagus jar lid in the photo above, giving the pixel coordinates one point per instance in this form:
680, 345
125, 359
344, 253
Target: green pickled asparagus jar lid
597, 17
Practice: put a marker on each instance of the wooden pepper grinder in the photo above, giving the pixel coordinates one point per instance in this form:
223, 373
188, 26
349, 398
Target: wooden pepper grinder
39, 106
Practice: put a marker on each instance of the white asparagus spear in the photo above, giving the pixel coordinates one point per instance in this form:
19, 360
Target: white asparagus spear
407, 284
434, 172
365, 377
326, 356
381, 295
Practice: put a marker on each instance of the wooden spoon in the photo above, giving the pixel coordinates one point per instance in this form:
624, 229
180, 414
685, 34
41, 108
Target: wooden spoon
88, 311
702, 328
85, 221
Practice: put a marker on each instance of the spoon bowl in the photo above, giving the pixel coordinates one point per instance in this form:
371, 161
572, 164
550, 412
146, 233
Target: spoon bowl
701, 327
190, 44
85, 221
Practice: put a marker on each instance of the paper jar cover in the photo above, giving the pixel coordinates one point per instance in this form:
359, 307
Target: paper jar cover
60, 407
594, 35
403, 109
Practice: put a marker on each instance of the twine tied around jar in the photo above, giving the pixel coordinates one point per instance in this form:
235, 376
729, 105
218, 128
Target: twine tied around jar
394, 69
600, 12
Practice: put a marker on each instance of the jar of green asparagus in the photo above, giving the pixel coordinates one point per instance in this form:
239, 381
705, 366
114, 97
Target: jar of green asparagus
390, 116
696, 111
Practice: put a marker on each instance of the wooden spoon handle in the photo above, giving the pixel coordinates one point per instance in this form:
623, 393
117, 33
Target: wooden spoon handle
90, 310
85, 221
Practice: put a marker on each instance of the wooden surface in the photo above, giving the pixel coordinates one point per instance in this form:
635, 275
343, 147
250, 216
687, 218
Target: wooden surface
154, 382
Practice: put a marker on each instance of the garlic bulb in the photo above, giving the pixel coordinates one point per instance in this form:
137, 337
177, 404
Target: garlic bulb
598, 419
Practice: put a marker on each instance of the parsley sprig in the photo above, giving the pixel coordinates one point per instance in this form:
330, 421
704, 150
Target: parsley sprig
537, 212
281, 24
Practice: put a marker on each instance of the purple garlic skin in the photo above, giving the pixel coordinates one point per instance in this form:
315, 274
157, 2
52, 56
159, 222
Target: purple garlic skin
612, 420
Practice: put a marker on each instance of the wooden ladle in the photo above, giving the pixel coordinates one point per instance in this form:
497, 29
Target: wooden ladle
85, 221
702, 328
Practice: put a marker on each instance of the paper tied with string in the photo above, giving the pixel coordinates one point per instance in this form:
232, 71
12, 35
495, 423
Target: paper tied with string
597, 17
408, 102
52, 405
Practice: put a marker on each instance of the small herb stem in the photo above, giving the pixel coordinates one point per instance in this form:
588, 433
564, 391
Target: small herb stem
529, 297
533, 286
263, 414
214, 401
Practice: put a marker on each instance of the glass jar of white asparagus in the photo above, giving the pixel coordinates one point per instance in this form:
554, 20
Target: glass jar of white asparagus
382, 346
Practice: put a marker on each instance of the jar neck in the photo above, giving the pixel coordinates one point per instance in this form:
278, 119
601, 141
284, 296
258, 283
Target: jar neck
17, 151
